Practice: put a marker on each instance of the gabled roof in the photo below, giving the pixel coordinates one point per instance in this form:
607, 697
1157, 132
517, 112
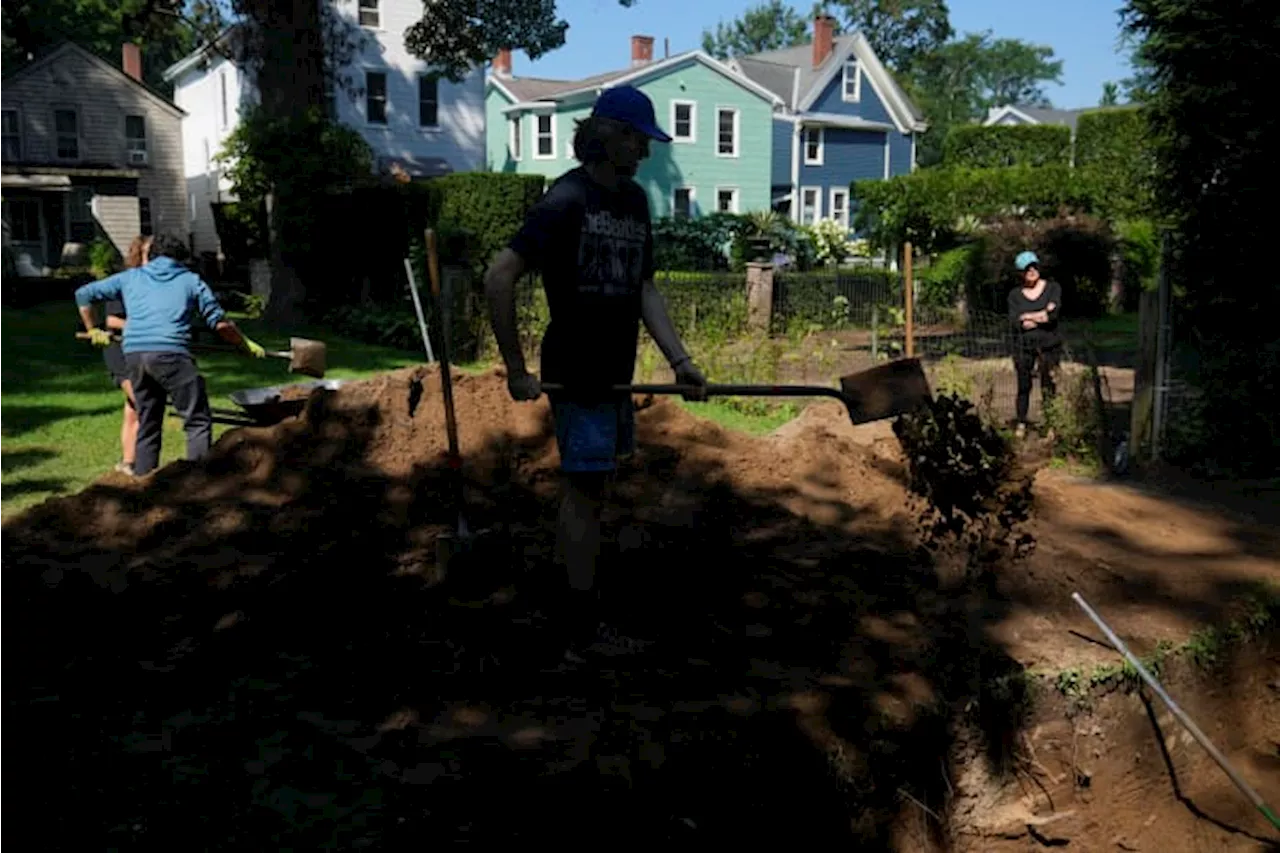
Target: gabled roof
530, 90
790, 74
1035, 115
61, 49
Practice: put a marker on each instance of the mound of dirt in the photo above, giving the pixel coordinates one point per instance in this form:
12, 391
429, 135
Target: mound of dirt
256, 648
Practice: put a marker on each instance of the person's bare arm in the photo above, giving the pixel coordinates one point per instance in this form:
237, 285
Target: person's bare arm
89, 316
653, 310
114, 323
500, 292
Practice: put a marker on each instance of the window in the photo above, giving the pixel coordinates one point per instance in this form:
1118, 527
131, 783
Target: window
810, 205
726, 132
66, 126
682, 203
222, 88
726, 200
428, 101
23, 216
683, 121
375, 97
545, 142
12, 135
145, 227
80, 215
369, 14
852, 89
515, 138
135, 140
813, 146
839, 211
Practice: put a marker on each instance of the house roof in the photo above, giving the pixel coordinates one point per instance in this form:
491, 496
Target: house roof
1036, 115
63, 48
790, 74
529, 90
193, 58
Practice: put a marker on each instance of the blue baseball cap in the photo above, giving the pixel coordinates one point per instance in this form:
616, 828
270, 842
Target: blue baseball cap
629, 105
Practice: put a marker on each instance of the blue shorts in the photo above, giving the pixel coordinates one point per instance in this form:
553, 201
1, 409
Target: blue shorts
591, 436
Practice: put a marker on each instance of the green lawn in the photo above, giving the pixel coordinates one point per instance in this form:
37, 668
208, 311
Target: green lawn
60, 414
1117, 333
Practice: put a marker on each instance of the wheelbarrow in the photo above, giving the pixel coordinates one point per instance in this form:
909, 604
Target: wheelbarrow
269, 406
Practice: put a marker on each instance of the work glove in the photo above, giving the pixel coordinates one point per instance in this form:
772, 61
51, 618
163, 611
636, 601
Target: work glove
687, 373
524, 386
100, 337
255, 349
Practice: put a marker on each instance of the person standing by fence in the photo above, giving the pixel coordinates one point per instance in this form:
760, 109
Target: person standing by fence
1034, 307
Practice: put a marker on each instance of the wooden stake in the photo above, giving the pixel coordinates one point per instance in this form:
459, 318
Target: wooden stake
908, 289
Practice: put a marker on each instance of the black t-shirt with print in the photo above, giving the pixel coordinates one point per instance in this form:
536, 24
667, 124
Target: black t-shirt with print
1041, 336
594, 249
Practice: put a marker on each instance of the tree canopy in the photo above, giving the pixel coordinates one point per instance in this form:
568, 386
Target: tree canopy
901, 32
769, 26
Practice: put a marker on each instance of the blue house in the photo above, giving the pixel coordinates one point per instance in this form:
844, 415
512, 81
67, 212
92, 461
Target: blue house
845, 119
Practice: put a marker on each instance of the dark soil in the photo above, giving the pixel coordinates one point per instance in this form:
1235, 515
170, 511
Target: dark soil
258, 652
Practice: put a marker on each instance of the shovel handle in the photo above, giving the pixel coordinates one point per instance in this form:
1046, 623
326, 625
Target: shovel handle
720, 390
288, 356
433, 263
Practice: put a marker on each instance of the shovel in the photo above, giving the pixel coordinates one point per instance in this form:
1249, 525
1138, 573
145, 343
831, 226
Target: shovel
883, 391
304, 355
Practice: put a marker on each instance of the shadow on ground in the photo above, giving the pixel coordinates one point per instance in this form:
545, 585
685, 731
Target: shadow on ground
257, 651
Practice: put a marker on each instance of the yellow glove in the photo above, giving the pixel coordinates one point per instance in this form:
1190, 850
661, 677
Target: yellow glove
99, 337
255, 349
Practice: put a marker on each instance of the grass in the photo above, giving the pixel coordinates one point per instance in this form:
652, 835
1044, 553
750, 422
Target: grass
1111, 333
60, 414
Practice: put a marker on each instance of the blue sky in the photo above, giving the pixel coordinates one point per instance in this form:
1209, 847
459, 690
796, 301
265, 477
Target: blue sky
1083, 33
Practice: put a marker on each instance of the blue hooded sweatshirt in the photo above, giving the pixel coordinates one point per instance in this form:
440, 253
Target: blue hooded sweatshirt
159, 299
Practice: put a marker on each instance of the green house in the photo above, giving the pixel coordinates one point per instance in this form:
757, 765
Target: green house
720, 123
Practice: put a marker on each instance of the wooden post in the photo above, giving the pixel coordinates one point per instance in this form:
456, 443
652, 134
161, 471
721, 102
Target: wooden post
908, 289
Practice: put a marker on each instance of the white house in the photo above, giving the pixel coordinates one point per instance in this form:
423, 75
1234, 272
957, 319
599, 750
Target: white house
414, 122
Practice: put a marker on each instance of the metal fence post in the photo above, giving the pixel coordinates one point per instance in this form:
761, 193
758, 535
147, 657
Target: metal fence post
908, 289
1160, 402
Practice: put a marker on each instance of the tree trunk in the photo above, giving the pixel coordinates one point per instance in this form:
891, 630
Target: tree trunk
290, 48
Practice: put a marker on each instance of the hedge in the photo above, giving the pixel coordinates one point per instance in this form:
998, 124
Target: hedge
1115, 157
934, 208
1007, 145
489, 206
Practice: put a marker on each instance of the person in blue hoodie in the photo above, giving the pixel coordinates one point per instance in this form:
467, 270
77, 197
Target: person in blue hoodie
159, 299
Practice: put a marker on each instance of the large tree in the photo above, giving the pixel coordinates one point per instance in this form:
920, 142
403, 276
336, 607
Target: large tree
769, 26
959, 81
900, 31
1216, 131
99, 26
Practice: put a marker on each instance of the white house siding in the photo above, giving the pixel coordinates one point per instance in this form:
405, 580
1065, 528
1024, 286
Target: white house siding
199, 92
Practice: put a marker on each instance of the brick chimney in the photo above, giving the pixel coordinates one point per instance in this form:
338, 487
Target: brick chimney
824, 33
502, 63
641, 50
131, 60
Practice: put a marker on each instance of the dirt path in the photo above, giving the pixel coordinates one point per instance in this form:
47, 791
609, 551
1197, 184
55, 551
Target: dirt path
259, 647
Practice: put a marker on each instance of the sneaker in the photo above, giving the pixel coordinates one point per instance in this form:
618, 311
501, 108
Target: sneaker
123, 468
1020, 431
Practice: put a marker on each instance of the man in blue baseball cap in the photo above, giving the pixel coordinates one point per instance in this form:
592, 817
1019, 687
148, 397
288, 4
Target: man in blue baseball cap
590, 238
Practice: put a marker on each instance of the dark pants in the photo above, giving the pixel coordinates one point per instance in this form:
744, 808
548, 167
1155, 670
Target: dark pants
156, 377
1025, 359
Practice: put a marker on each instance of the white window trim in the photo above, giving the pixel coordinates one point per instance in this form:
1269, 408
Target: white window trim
857, 82
377, 9
737, 132
887, 142
17, 114
693, 122
817, 205
428, 128
515, 138
831, 205
536, 134
223, 118
822, 145
693, 201
737, 195
386, 99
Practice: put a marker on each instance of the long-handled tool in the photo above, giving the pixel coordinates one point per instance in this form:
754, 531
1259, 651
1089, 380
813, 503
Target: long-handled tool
1181, 715
417, 307
447, 544
304, 355
884, 391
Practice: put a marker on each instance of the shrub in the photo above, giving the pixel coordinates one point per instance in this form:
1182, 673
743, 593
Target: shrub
103, 257
1139, 243
487, 207
1116, 159
700, 243
942, 282
1001, 145
1074, 251
830, 241
825, 300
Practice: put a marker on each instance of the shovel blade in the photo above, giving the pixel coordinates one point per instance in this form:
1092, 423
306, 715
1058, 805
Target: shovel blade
307, 357
886, 390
